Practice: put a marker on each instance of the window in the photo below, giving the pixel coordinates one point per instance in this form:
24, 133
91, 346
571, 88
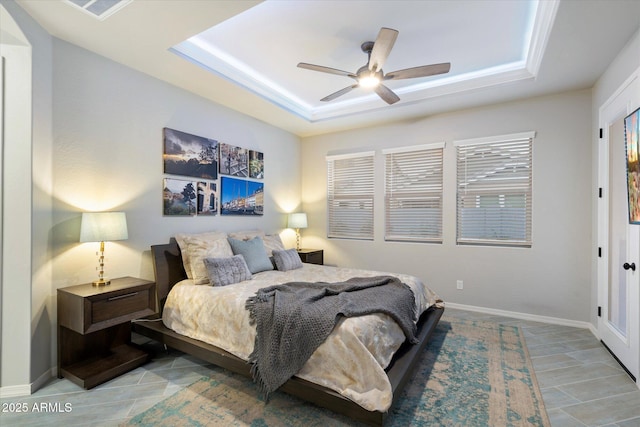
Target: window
413, 193
494, 190
350, 196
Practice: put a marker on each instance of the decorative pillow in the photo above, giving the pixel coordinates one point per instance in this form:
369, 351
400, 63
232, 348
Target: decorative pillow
253, 252
200, 239
273, 242
226, 271
287, 259
246, 235
217, 249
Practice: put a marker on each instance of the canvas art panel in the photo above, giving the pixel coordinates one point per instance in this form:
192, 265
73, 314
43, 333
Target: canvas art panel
207, 198
234, 161
256, 164
241, 197
189, 155
632, 134
179, 197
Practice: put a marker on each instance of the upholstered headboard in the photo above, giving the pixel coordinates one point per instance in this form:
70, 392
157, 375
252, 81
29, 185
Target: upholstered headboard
168, 268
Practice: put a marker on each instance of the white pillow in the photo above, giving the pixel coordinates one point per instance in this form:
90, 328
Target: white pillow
246, 235
272, 242
195, 247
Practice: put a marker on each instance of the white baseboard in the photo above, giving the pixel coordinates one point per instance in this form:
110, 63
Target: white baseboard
15, 390
526, 316
28, 389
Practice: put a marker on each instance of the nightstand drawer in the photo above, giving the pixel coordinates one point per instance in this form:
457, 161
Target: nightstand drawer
116, 306
86, 308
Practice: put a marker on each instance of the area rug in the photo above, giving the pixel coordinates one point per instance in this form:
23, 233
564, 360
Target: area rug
471, 374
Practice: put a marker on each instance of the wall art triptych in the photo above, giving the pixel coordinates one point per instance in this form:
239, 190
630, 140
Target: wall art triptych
195, 190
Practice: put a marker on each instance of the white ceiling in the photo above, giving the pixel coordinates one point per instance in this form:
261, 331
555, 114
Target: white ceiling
499, 51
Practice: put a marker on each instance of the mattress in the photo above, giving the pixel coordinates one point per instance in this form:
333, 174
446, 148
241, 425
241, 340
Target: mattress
352, 359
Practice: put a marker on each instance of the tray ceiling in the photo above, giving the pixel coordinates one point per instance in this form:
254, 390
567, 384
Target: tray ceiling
260, 48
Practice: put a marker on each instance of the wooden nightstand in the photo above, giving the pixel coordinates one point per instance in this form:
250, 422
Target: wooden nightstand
312, 256
94, 329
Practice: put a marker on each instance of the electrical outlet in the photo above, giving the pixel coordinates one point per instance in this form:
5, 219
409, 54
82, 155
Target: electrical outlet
459, 284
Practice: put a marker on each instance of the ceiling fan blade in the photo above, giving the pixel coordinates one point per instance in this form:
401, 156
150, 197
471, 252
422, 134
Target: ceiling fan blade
323, 69
423, 71
381, 48
338, 93
387, 94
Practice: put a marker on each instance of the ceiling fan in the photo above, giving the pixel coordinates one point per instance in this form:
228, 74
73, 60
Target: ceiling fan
371, 75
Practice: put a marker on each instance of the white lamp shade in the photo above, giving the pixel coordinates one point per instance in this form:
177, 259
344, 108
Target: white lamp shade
297, 220
103, 227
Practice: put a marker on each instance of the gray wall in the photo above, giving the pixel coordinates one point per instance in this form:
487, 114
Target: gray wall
551, 278
108, 122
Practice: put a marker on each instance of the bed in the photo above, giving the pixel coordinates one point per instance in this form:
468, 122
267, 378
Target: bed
172, 280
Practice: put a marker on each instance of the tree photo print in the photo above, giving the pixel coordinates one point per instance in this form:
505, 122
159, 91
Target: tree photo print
190, 155
179, 197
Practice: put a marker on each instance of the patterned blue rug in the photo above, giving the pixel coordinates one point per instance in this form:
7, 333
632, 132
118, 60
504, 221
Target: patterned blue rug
472, 374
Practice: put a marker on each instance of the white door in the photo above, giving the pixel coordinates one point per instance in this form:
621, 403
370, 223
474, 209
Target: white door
619, 267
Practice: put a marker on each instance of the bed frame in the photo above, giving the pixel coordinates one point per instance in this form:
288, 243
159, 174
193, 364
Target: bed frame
169, 270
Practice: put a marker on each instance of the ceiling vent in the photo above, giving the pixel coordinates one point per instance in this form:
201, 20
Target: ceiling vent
99, 9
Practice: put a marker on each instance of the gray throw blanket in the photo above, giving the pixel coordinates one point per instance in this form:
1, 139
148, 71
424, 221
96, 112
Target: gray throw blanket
293, 319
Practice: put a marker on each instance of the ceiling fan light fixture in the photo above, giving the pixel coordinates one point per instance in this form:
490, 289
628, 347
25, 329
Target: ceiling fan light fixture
369, 81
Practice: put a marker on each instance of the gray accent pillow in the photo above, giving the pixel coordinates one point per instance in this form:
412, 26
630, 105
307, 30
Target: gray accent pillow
253, 252
287, 260
226, 271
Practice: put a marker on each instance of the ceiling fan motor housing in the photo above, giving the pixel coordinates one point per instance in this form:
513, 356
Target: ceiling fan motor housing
367, 47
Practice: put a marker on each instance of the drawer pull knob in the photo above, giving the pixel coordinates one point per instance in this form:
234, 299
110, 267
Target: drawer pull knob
123, 296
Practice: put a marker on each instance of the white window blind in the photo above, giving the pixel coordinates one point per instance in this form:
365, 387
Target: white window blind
350, 196
413, 193
494, 177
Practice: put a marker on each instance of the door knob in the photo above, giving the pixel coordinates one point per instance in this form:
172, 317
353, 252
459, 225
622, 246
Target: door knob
631, 266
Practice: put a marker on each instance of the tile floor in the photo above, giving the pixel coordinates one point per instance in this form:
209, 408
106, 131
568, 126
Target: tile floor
582, 385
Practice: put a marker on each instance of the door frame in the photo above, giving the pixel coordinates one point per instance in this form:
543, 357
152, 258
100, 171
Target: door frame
623, 101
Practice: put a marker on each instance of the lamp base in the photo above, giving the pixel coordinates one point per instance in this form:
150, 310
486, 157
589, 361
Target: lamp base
101, 282
297, 239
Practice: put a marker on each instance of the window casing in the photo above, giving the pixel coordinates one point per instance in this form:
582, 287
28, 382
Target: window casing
413, 193
350, 193
494, 190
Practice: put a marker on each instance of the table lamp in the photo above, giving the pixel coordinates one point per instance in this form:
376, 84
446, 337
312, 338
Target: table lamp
297, 221
103, 227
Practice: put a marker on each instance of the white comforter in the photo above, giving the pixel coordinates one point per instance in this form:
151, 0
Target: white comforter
351, 361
